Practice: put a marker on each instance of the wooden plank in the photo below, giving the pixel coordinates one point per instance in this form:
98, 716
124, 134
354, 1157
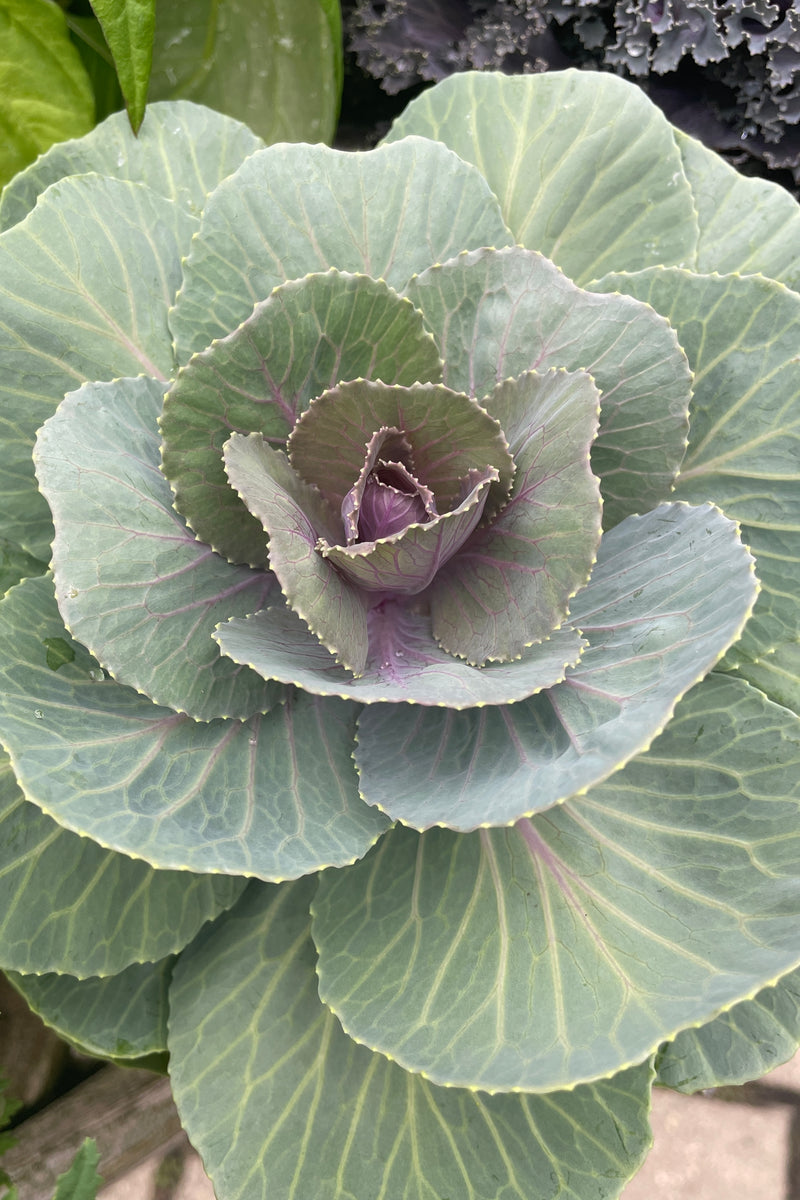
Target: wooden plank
130, 1114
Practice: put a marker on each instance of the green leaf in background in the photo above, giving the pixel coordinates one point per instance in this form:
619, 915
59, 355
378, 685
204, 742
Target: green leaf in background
123, 1016
46, 92
68, 905
81, 1181
182, 153
293, 210
275, 65
290, 1106
746, 225
741, 336
15, 564
275, 796
777, 674
128, 27
566, 945
617, 200
87, 36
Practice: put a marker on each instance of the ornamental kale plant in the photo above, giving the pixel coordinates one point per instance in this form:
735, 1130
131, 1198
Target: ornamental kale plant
401, 698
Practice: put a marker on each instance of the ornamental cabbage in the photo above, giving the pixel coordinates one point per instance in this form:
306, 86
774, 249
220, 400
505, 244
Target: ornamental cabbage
401, 692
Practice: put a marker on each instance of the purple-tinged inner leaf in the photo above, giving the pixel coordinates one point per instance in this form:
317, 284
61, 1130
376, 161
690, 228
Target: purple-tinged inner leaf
386, 497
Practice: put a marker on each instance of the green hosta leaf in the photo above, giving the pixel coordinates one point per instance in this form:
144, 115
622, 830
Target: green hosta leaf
746, 225
741, 337
275, 796
81, 1181
128, 28
566, 947
182, 152
293, 1107
133, 583
292, 210
404, 662
586, 169
68, 905
511, 584
777, 675
448, 433
741, 1044
122, 1017
670, 592
306, 337
86, 281
295, 516
500, 313
45, 88
274, 65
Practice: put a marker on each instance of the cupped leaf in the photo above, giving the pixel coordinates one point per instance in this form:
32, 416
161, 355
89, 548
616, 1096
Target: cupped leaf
747, 225
669, 593
510, 585
123, 1017
275, 796
293, 1107
404, 661
500, 313
741, 1044
128, 28
292, 210
572, 944
86, 281
46, 91
306, 337
67, 905
406, 563
274, 65
449, 434
295, 516
585, 167
182, 153
133, 583
741, 337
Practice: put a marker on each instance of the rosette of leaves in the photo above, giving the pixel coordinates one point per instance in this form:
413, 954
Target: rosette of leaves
396, 733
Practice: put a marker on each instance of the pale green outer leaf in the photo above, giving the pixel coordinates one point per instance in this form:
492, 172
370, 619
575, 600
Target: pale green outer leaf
273, 65
123, 1016
511, 584
586, 169
741, 336
777, 674
292, 1108
449, 434
292, 210
81, 1181
571, 945
408, 561
497, 314
68, 905
669, 593
747, 225
275, 796
46, 91
304, 338
133, 583
85, 283
404, 662
182, 152
741, 1044
128, 27
295, 516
